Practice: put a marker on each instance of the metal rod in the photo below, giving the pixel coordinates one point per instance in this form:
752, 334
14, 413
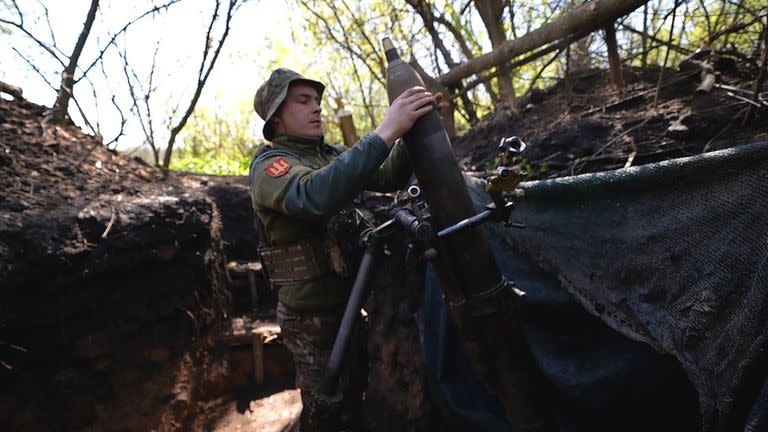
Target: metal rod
466, 223
351, 313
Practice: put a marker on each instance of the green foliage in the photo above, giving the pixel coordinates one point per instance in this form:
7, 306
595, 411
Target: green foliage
492, 164
530, 170
216, 144
533, 170
695, 24
211, 164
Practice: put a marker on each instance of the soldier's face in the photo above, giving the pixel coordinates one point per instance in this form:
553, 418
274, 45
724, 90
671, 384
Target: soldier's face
300, 112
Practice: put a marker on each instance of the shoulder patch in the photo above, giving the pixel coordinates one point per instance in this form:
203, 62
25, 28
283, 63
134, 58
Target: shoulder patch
279, 167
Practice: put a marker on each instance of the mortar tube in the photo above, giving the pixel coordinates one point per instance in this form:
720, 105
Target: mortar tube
465, 264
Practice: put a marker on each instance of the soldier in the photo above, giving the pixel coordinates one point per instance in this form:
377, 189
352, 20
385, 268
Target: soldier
302, 191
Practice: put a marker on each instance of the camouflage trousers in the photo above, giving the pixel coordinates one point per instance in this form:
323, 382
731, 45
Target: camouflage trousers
310, 337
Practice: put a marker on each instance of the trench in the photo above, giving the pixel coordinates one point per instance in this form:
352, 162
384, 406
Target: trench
166, 324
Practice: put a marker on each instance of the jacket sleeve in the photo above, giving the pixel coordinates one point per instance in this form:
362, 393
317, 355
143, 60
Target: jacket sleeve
394, 173
306, 192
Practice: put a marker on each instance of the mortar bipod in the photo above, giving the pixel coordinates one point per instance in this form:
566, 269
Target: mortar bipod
416, 229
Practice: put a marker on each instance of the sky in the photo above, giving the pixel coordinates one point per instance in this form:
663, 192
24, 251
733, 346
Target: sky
263, 35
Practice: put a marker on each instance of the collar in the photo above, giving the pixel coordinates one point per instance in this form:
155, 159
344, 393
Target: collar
306, 145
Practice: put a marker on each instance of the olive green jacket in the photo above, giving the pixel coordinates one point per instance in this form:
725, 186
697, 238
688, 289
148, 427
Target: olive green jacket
297, 184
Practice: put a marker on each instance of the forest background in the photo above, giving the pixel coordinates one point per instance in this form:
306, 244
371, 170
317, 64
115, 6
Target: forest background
173, 81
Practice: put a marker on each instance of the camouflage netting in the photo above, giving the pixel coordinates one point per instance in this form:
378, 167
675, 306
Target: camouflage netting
672, 254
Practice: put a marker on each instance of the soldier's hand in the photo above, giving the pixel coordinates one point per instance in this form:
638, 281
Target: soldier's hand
404, 111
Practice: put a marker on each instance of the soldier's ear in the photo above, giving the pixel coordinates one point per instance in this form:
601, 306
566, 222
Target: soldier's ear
277, 123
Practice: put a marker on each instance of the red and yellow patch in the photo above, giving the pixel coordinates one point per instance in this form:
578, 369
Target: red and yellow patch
279, 167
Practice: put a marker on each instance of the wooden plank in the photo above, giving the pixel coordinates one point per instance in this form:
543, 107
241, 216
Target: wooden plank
242, 330
258, 358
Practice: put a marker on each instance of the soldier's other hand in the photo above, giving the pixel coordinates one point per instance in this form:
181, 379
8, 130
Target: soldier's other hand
441, 102
404, 111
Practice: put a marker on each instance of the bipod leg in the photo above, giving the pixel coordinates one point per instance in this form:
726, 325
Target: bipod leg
329, 382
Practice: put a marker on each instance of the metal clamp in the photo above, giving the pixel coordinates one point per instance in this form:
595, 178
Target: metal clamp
502, 298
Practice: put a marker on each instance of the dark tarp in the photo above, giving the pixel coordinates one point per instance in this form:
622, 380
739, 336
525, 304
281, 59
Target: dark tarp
601, 380
671, 254
758, 417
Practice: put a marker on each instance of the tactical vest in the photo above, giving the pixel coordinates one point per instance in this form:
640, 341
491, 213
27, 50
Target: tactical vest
338, 250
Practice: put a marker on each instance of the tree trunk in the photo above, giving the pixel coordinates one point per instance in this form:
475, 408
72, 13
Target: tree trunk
644, 58
588, 17
490, 12
581, 56
567, 82
59, 111
666, 55
760, 77
614, 60
11, 90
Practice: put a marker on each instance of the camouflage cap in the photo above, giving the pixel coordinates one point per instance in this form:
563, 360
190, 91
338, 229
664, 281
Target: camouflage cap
272, 93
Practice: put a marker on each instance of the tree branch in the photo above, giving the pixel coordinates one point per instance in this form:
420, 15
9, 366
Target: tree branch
660, 42
121, 31
666, 54
40, 43
541, 71
202, 76
733, 28
34, 68
123, 121
587, 17
59, 111
146, 124
559, 45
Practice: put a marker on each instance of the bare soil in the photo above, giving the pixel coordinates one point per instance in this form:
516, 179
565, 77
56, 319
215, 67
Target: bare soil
595, 127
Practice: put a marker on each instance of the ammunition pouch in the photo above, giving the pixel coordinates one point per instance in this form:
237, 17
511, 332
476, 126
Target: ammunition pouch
294, 263
337, 251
